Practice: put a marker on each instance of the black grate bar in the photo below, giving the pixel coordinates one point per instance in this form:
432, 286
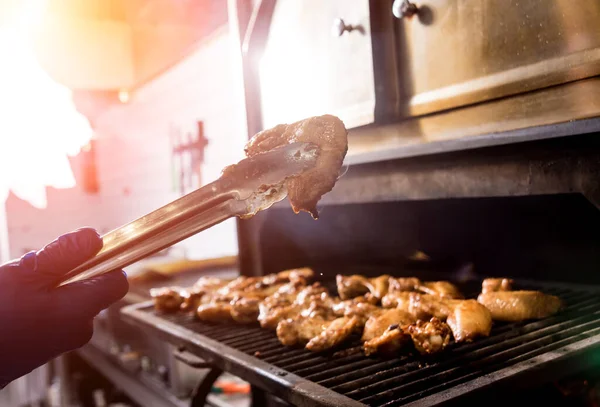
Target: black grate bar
239, 340
273, 347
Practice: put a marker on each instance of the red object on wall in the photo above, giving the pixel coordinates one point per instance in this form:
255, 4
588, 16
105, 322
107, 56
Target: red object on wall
89, 172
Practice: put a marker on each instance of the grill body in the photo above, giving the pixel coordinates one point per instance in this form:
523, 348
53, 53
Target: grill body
515, 354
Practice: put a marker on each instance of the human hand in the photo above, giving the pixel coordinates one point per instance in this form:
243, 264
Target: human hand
39, 321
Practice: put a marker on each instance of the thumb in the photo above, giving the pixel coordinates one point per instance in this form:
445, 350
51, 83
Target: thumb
88, 297
66, 253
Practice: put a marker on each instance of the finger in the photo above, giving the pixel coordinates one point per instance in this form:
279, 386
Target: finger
86, 298
65, 253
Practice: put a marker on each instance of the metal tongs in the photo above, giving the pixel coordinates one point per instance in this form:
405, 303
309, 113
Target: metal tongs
252, 185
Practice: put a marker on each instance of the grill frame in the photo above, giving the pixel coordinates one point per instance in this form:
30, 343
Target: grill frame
301, 391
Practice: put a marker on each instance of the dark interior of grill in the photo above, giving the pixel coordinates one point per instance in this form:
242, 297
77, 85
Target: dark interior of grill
552, 237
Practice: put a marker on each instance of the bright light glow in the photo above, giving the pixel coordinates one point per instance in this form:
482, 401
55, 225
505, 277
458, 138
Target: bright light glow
123, 96
39, 124
292, 85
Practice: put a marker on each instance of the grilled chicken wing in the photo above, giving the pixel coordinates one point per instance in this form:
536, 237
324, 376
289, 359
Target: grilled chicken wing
349, 287
359, 306
356, 285
335, 333
329, 133
469, 320
389, 342
440, 288
191, 300
214, 312
291, 300
300, 330
245, 310
429, 337
379, 286
304, 274
519, 305
167, 299
398, 299
207, 284
400, 284
377, 324
192, 297
466, 318
496, 284
243, 296
425, 306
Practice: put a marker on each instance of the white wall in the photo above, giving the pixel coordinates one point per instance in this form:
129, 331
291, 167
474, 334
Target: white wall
134, 154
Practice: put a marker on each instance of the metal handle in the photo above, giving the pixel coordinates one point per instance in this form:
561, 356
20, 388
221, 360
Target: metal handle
160, 229
191, 360
404, 8
240, 191
340, 27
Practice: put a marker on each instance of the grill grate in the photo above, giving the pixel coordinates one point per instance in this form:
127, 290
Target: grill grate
512, 349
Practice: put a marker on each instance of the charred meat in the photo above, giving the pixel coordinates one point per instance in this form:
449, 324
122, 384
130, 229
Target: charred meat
330, 135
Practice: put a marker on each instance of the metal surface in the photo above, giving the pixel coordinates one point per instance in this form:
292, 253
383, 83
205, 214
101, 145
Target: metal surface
546, 113
562, 165
458, 52
329, 74
523, 353
240, 191
144, 393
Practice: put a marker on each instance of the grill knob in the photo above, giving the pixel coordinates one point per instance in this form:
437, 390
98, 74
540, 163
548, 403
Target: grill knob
163, 373
404, 8
146, 364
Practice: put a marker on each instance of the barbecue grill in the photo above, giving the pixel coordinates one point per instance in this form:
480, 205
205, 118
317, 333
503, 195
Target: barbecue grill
490, 168
532, 351
547, 232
